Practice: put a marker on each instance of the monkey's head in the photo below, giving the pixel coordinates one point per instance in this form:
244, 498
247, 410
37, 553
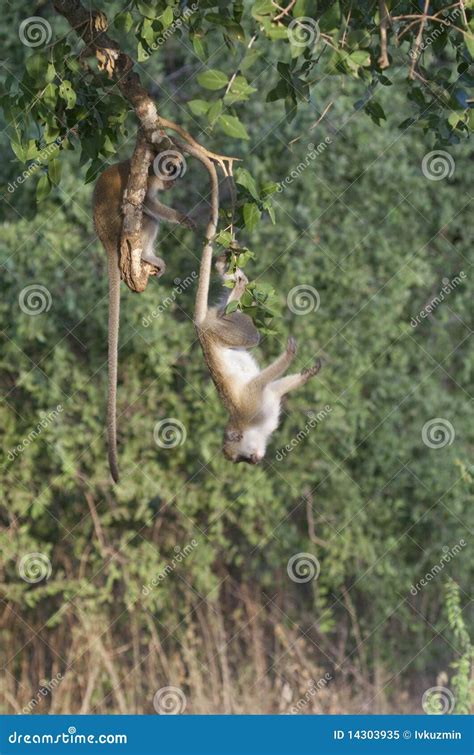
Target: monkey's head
248, 445
166, 169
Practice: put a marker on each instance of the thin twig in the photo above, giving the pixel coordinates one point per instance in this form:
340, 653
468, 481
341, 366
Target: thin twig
418, 40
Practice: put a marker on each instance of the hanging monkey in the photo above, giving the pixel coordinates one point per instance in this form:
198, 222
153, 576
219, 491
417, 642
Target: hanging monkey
107, 210
252, 396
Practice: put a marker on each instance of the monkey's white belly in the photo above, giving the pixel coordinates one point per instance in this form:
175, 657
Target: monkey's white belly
240, 365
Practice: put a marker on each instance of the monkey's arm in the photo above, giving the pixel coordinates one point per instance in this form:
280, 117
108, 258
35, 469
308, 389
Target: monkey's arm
158, 210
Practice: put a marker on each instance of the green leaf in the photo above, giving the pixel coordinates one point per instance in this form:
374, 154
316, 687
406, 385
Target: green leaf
233, 127
469, 41
231, 307
244, 178
214, 111
123, 21
167, 17
239, 91
251, 215
37, 66
262, 8
43, 188
212, 79
50, 96
198, 107
54, 172
224, 238
66, 92
199, 47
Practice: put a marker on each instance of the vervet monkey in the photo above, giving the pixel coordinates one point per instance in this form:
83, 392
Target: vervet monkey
251, 396
107, 210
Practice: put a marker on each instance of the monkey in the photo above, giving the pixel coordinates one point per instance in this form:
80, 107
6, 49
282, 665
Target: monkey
107, 212
252, 396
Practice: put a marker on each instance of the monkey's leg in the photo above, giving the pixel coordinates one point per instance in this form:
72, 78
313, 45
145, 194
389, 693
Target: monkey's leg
290, 382
149, 233
276, 368
157, 210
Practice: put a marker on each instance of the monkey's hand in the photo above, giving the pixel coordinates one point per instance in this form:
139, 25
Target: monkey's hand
309, 372
189, 222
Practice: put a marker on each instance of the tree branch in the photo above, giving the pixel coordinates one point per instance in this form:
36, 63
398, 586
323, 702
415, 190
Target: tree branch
91, 26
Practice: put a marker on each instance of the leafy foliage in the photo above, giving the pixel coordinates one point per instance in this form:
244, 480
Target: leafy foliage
359, 222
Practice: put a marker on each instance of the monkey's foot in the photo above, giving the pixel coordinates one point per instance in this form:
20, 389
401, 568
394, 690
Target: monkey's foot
291, 346
309, 372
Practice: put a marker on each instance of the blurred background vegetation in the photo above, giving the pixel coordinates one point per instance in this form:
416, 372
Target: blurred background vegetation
360, 491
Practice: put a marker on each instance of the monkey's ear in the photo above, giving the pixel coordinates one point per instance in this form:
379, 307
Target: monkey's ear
232, 435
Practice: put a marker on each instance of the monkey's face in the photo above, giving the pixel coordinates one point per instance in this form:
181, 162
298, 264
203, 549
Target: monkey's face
245, 446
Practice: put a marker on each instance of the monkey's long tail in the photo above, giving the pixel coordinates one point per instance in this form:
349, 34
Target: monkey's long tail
114, 319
